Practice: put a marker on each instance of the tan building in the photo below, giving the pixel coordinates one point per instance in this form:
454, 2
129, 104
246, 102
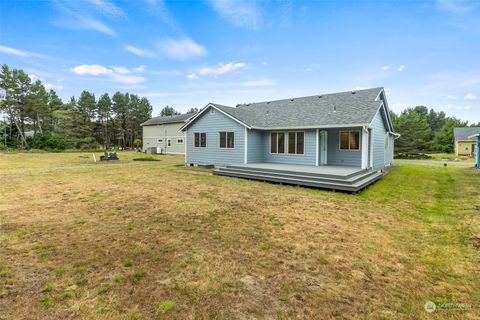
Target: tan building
465, 146
163, 134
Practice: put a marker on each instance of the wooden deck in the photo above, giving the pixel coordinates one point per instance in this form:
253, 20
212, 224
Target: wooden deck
343, 178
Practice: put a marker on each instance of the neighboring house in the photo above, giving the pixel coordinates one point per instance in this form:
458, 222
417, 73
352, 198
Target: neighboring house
163, 133
335, 138
476, 138
464, 145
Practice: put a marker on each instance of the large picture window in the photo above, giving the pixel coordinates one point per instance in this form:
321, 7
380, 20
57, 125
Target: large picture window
277, 142
200, 139
350, 140
227, 140
296, 141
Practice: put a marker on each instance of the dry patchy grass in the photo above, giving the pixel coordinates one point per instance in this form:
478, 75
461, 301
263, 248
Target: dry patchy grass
143, 240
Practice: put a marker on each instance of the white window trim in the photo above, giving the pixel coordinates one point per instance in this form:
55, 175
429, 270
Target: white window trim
270, 142
349, 150
200, 140
288, 137
226, 148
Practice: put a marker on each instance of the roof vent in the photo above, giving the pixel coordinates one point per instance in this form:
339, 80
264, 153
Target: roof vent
320, 96
292, 99
268, 102
334, 108
353, 92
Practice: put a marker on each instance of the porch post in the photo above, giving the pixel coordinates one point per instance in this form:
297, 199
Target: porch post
317, 148
245, 154
365, 148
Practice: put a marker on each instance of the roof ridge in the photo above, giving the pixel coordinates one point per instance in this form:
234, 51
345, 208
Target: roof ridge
311, 96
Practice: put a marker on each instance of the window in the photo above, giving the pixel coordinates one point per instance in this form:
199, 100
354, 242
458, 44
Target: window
227, 139
296, 142
277, 142
200, 139
349, 140
160, 140
169, 142
180, 141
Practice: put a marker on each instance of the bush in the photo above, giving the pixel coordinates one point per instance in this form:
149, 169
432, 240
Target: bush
2, 146
146, 159
413, 156
47, 141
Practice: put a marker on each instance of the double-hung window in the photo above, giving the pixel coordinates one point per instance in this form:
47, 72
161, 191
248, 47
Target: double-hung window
227, 140
296, 141
350, 140
277, 142
200, 139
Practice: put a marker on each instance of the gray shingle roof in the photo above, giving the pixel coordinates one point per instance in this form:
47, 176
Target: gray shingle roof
168, 119
334, 109
464, 133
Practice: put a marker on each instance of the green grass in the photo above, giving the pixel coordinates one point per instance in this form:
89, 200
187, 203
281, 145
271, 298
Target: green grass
116, 239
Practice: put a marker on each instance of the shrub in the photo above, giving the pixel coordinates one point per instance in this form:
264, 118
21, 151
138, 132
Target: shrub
146, 159
415, 156
47, 141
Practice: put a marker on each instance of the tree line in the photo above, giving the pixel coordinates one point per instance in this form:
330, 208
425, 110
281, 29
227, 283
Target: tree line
425, 131
86, 122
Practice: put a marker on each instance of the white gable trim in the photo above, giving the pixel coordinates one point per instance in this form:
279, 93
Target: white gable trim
219, 110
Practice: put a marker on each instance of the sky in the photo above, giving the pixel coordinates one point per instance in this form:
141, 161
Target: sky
187, 53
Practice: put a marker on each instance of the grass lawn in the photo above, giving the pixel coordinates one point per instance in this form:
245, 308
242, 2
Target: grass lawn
153, 239
450, 157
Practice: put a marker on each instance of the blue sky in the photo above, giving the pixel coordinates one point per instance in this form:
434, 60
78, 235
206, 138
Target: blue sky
188, 53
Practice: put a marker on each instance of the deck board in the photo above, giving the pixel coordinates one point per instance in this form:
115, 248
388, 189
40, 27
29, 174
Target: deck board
327, 169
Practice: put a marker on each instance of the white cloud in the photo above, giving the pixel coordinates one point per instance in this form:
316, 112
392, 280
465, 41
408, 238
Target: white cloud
238, 12
192, 76
221, 68
181, 49
118, 74
470, 96
401, 68
140, 52
108, 8
386, 68
19, 53
75, 15
451, 97
358, 88
264, 63
50, 86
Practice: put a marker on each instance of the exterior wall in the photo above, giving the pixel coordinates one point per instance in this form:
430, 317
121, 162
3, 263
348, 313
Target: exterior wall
308, 158
464, 147
381, 152
338, 157
212, 122
151, 135
389, 150
256, 146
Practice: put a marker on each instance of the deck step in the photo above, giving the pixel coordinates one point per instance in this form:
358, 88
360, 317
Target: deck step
296, 175
357, 185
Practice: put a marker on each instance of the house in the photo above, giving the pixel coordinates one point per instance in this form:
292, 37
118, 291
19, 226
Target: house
340, 141
476, 138
463, 144
163, 133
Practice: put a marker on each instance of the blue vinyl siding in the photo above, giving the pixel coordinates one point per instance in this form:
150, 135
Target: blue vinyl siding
338, 157
379, 134
308, 158
389, 150
256, 146
212, 122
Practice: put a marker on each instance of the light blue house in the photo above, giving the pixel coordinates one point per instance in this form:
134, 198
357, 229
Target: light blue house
340, 141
